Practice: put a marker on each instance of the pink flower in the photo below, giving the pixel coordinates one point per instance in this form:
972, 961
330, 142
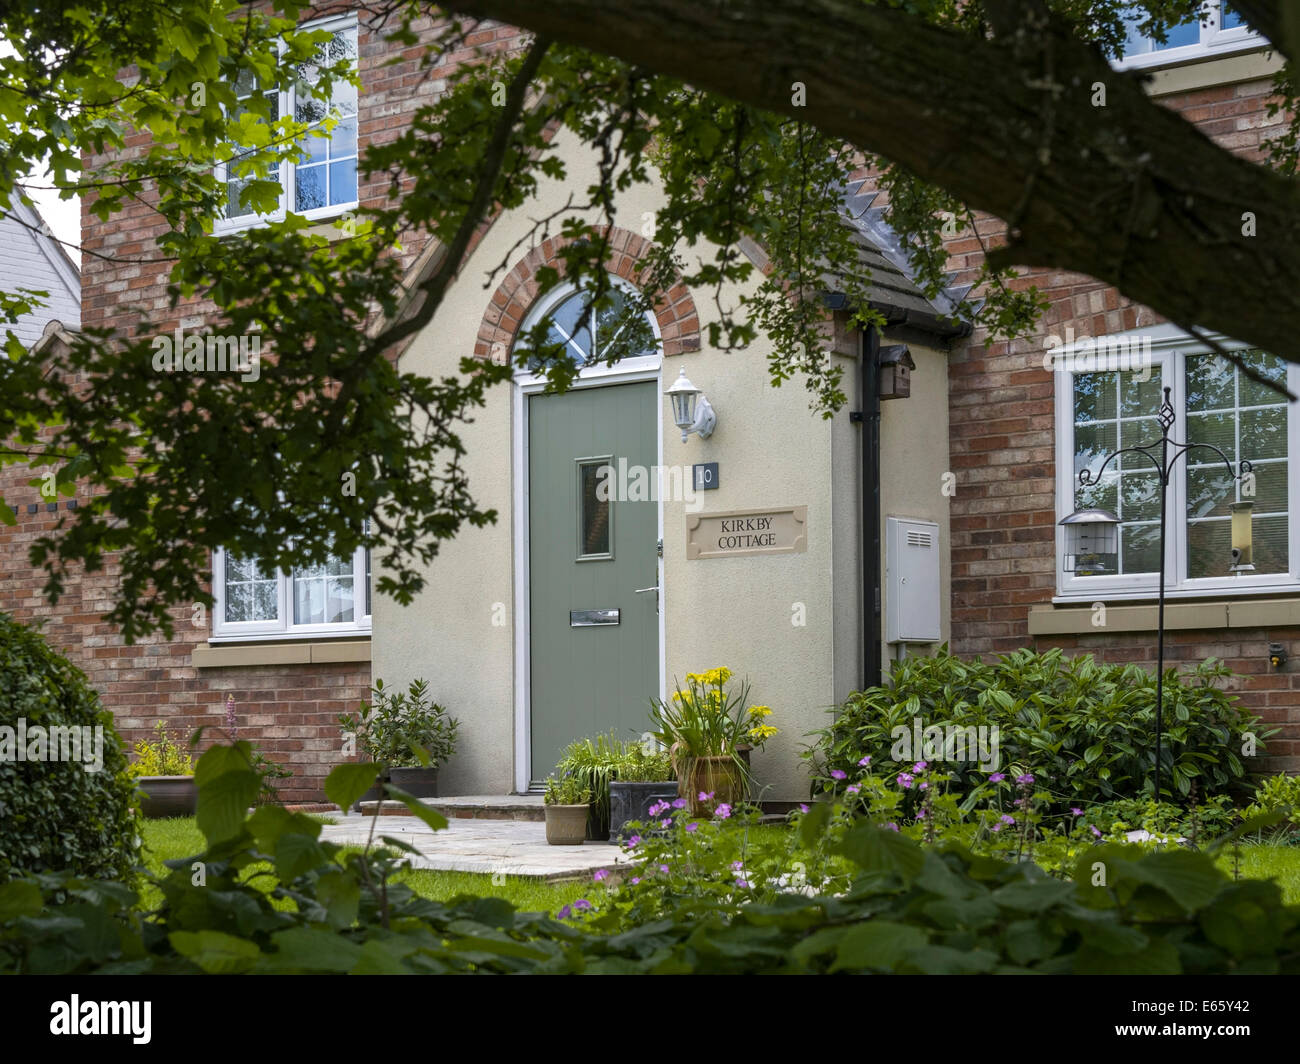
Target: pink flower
635, 880
743, 884
1025, 780
852, 788
803, 807
706, 797
919, 767
923, 786
737, 866
663, 868
1075, 811
892, 826
600, 874
1093, 829
631, 843
905, 780
723, 811
839, 774
920, 814
658, 808
693, 825
865, 761
665, 823
997, 777
679, 803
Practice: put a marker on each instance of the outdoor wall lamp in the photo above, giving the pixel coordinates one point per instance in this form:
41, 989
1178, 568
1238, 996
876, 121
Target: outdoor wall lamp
691, 410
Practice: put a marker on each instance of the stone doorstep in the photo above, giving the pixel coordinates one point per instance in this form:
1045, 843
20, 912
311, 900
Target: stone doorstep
470, 807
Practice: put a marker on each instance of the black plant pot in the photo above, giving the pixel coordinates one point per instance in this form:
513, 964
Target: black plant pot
421, 782
167, 796
372, 794
631, 801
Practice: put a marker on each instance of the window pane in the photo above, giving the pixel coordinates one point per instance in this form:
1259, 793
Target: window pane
1179, 36
250, 592
328, 177
310, 183
323, 594
594, 512
1257, 435
1114, 410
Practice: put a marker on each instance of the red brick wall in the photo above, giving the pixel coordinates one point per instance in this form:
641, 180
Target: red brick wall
1001, 408
290, 711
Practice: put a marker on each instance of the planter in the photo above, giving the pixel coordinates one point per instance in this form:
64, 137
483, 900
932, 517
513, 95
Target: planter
720, 776
566, 825
421, 782
373, 794
167, 796
630, 801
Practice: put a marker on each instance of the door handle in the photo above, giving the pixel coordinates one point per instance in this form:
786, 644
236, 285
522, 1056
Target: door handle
643, 590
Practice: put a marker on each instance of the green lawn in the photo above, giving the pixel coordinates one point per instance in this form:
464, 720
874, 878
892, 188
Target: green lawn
173, 839
167, 840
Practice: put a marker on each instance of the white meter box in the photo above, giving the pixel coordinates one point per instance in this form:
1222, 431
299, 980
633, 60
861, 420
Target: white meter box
911, 581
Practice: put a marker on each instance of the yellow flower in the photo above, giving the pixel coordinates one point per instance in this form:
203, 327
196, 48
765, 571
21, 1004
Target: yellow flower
760, 711
762, 732
695, 677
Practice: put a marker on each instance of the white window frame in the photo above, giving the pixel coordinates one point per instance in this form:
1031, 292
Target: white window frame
1169, 345
289, 171
283, 627
1214, 42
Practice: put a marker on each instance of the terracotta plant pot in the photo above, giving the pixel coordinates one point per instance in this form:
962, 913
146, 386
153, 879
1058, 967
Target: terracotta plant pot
632, 800
566, 825
421, 782
719, 776
167, 796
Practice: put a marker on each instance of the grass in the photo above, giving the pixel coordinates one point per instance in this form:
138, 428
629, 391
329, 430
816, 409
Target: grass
174, 839
169, 840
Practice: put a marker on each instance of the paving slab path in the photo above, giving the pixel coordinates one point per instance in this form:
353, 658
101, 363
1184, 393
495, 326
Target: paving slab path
511, 847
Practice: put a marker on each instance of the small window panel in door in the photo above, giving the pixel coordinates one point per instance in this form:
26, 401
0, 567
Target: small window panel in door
595, 509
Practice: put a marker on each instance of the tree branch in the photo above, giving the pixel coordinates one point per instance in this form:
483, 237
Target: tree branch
1128, 192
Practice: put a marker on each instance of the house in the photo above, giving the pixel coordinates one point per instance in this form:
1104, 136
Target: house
31, 257
804, 554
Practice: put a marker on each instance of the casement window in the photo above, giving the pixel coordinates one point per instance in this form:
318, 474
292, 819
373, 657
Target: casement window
1108, 395
1218, 30
255, 602
325, 184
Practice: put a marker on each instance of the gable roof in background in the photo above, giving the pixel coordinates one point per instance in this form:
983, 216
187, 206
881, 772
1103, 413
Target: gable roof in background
31, 257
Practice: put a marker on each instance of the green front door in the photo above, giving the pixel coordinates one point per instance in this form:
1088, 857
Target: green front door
594, 641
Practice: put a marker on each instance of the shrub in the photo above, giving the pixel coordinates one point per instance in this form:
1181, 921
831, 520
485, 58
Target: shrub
396, 729
596, 762
164, 756
908, 910
1278, 794
1086, 730
57, 815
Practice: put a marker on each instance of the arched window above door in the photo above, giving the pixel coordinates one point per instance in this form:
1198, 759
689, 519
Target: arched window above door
590, 334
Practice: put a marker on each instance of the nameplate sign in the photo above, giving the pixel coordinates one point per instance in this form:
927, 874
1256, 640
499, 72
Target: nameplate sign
779, 530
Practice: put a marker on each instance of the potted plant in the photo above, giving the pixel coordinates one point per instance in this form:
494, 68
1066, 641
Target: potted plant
704, 728
644, 778
408, 733
568, 803
164, 773
266, 769
594, 763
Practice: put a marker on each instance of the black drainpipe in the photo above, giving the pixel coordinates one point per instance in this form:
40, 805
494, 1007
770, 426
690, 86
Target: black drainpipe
869, 416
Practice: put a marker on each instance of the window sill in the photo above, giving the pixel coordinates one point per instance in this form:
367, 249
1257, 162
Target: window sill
321, 222
1220, 613
311, 652
1206, 71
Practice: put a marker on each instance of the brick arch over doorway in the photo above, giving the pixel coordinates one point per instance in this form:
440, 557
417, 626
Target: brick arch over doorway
679, 323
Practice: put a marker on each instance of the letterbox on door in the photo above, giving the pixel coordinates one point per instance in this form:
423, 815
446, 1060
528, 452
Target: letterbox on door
911, 581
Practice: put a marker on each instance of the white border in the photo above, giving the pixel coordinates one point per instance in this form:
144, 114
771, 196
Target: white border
629, 371
284, 628
223, 226
1167, 343
1214, 43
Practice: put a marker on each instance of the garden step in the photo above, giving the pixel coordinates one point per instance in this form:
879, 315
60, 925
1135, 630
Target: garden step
471, 807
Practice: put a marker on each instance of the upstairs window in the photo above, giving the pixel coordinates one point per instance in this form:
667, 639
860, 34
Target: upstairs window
1218, 30
325, 183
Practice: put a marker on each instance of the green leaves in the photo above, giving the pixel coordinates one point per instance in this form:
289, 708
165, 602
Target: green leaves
346, 783
227, 787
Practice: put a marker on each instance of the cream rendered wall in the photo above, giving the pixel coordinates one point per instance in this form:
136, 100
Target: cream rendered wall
913, 461
767, 617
